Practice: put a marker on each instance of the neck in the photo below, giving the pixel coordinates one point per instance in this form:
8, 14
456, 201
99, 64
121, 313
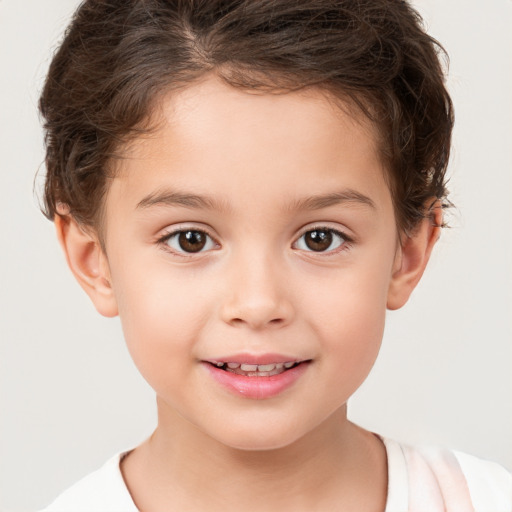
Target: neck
330, 464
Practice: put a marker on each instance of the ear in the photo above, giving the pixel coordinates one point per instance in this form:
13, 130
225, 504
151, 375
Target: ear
413, 255
88, 262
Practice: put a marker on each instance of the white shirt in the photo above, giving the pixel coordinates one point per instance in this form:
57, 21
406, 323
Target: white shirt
419, 480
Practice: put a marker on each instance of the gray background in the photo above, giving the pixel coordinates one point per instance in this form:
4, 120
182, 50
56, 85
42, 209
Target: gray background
70, 396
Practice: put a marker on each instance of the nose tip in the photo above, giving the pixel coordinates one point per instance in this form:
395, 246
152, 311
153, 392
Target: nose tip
257, 301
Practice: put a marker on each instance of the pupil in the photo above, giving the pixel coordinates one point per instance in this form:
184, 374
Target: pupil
318, 240
192, 241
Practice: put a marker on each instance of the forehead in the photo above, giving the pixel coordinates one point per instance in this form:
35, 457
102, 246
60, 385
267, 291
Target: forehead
224, 140
307, 115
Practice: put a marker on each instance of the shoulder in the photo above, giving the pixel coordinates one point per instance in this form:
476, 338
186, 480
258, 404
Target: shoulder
440, 479
486, 480
103, 490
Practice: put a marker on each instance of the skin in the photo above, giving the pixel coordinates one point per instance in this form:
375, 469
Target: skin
256, 288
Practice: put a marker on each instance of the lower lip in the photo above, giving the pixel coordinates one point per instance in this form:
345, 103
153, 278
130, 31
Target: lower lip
257, 388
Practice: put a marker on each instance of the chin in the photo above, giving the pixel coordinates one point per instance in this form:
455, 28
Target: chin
265, 438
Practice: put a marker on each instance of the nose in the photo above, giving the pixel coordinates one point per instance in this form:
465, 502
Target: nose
257, 295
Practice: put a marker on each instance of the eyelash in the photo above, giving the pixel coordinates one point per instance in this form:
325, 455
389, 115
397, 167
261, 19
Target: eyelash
163, 241
345, 243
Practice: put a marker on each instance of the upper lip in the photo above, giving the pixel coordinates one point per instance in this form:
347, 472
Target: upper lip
259, 359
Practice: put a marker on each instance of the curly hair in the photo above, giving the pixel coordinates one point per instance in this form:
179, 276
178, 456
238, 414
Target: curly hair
117, 58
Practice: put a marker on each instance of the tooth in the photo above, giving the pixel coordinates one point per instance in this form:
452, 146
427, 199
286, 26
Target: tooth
233, 366
279, 366
263, 374
249, 367
266, 367
288, 365
277, 371
219, 364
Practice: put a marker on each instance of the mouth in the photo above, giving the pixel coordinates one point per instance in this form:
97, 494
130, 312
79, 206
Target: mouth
255, 370
257, 377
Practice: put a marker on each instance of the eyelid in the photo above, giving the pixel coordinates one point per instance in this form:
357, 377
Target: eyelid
347, 239
185, 226
327, 227
169, 232
175, 229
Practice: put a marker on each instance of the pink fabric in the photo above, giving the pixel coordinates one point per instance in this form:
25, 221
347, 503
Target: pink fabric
436, 482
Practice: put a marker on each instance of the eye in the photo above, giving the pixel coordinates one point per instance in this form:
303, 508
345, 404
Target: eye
189, 241
321, 240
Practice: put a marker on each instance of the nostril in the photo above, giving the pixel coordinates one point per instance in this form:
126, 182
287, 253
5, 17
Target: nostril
256, 314
256, 323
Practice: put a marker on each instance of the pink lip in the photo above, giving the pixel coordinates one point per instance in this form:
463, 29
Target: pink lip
258, 388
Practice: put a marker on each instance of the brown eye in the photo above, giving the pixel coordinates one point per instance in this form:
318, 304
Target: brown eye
192, 241
189, 241
320, 240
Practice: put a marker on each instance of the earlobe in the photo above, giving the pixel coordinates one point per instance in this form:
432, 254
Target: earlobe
412, 257
88, 262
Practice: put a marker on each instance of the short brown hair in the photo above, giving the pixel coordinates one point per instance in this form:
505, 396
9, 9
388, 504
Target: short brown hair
117, 57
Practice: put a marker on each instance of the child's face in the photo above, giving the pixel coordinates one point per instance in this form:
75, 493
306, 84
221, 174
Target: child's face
262, 184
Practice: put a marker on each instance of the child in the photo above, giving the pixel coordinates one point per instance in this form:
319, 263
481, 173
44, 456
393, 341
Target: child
249, 186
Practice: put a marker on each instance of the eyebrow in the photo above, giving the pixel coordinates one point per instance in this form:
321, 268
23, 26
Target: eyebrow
175, 198
325, 200
316, 202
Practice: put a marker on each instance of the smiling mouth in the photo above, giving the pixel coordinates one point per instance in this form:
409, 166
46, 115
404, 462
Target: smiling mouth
255, 370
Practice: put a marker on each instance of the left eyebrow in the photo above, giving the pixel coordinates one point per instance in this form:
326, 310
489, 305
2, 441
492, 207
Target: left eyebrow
325, 200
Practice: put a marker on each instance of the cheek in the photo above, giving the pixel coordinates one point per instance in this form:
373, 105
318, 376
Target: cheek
161, 315
354, 332
351, 345
349, 317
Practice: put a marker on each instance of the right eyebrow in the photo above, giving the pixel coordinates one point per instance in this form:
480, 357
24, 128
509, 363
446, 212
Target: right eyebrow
175, 198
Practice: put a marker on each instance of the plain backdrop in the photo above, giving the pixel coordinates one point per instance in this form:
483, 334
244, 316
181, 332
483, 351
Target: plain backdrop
69, 394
